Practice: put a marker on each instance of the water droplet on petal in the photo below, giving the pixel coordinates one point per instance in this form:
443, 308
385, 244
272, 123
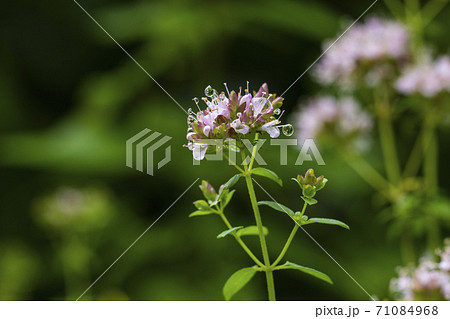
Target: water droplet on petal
190, 120
209, 91
287, 130
277, 112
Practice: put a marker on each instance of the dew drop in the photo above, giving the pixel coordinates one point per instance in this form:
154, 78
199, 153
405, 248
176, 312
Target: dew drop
209, 91
288, 130
190, 120
277, 112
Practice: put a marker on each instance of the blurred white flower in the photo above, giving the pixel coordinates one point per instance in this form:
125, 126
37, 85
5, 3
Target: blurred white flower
427, 77
374, 40
342, 117
429, 279
74, 208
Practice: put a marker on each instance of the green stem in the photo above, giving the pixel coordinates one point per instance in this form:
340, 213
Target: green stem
253, 153
396, 8
425, 149
415, 158
434, 234
370, 175
387, 140
407, 248
286, 246
430, 165
240, 242
76, 277
291, 236
431, 9
233, 163
262, 239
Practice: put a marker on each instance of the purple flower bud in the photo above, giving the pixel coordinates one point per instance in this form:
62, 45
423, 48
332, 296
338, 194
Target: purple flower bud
208, 191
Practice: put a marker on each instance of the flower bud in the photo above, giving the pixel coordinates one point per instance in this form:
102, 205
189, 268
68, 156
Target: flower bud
309, 191
233, 98
310, 178
301, 181
310, 184
321, 182
277, 102
208, 191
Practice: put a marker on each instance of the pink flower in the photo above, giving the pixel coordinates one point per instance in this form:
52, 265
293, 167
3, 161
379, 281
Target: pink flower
343, 118
427, 77
370, 43
232, 116
428, 278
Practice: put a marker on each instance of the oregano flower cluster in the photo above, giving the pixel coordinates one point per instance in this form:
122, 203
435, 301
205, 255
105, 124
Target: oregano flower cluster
233, 116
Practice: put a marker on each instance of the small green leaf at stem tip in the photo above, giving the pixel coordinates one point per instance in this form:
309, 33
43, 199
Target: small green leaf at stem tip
261, 171
229, 231
277, 206
202, 213
309, 271
309, 201
251, 231
227, 198
237, 281
234, 148
296, 180
202, 205
328, 221
233, 180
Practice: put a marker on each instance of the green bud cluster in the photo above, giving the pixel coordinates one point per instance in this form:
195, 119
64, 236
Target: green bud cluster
310, 184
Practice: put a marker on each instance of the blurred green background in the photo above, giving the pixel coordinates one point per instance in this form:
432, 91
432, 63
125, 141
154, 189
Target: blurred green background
70, 98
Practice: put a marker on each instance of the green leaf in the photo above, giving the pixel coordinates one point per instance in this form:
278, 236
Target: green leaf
202, 205
309, 201
261, 171
297, 181
202, 213
234, 148
278, 207
251, 231
229, 231
227, 198
233, 180
328, 221
238, 280
309, 271
222, 194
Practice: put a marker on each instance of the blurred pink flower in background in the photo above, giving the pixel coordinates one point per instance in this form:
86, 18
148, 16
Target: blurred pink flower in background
427, 77
372, 41
343, 117
430, 280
